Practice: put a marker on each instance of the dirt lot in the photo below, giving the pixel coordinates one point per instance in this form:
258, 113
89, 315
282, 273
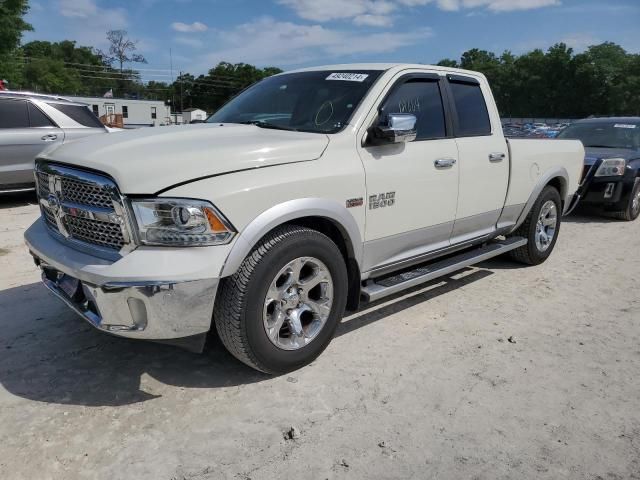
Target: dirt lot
426, 385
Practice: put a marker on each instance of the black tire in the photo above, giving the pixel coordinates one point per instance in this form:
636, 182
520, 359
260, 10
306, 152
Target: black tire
630, 213
530, 254
238, 312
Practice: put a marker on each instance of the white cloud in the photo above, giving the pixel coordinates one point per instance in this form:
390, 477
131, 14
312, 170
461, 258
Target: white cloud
266, 41
325, 10
87, 22
379, 13
580, 41
189, 27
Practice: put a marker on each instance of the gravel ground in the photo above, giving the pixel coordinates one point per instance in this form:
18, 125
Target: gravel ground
495, 372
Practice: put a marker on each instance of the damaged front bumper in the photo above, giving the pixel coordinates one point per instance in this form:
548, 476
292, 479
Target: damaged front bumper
149, 294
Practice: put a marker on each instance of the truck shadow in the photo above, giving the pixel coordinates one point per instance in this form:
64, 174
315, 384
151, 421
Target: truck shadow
48, 354
584, 214
13, 200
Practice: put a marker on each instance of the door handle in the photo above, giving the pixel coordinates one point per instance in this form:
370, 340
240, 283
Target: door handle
49, 137
496, 157
445, 162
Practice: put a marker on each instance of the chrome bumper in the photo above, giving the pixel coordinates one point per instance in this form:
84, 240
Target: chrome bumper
144, 310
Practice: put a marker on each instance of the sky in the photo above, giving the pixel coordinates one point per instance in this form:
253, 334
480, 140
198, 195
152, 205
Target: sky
194, 35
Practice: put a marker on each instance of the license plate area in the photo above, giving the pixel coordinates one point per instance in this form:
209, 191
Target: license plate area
69, 285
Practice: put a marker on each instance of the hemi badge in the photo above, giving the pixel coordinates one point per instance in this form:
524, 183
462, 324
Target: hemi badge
355, 202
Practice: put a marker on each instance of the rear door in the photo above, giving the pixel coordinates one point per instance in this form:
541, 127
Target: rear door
24, 132
412, 187
483, 158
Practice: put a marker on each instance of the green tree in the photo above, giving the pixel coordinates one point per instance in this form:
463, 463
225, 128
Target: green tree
12, 26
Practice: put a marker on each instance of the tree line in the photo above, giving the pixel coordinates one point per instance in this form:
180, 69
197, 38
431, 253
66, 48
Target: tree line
558, 82
602, 80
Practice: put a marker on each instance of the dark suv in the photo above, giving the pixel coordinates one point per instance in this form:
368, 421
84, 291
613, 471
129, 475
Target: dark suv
611, 176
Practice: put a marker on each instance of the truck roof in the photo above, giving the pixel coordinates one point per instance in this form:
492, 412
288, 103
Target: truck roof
384, 67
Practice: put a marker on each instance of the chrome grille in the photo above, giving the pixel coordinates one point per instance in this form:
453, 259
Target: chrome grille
43, 185
96, 232
85, 194
83, 207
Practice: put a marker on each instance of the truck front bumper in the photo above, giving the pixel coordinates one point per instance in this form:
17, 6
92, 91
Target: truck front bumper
131, 297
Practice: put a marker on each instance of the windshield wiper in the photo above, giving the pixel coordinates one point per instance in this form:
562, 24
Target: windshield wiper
263, 124
600, 146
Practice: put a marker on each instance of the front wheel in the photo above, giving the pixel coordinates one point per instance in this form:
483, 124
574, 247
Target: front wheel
632, 211
540, 228
281, 309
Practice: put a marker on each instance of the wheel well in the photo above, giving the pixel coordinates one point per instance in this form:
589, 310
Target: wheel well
559, 184
335, 232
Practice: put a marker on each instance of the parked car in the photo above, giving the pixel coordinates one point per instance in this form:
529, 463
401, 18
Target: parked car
32, 123
305, 194
611, 176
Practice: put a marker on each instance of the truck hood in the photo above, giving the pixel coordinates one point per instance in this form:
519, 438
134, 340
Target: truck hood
592, 154
148, 160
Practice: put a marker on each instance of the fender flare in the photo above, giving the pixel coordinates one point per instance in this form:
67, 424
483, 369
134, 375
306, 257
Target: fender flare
543, 181
286, 212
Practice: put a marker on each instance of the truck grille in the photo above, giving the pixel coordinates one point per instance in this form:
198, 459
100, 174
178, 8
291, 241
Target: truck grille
82, 207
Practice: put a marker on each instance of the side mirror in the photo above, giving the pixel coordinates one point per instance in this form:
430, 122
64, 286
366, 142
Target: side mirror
396, 128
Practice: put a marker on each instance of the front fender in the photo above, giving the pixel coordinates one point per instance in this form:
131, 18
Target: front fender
287, 212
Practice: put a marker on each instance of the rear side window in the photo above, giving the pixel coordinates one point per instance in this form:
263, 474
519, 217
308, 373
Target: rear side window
37, 118
13, 114
79, 113
420, 98
473, 116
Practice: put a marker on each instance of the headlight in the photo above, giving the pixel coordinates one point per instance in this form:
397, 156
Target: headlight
611, 167
180, 222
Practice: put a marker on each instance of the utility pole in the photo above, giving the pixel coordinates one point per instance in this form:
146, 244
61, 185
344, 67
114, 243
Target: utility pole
181, 104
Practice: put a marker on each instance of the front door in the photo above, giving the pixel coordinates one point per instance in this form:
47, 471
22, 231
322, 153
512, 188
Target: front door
412, 187
483, 162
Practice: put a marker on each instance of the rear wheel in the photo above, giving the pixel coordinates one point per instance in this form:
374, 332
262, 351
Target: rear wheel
633, 207
540, 228
280, 310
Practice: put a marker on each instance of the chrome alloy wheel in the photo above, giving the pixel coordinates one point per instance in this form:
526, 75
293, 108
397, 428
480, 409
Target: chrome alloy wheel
546, 226
298, 303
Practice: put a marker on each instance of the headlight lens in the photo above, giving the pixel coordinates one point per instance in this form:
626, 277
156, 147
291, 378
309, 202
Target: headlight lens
611, 167
180, 222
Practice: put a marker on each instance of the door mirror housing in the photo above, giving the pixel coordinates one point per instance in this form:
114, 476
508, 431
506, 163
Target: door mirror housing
395, 128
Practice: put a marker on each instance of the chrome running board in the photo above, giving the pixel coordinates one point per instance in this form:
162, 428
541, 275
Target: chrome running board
383, 287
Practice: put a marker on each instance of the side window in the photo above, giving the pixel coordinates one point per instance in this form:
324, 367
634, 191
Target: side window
78, 113
473, 116
13, 114
421, 98
37, 118
125, 111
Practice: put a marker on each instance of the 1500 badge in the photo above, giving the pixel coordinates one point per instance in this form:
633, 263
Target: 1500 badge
382, 200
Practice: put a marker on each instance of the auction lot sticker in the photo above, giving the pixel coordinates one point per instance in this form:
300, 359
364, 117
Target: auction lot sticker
349, 77
624, 125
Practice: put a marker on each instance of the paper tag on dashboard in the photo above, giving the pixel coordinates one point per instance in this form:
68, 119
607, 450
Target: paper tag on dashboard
349, 77
624, 125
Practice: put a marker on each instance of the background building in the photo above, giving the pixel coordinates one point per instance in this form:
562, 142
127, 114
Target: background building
135, 113
194, 114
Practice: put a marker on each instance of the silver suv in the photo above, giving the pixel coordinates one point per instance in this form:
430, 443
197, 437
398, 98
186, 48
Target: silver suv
31, 123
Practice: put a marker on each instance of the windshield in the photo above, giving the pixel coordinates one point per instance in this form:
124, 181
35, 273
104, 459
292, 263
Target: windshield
605, 134
319, 102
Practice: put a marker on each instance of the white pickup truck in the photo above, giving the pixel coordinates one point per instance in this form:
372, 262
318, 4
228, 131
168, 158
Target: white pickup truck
306, 194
